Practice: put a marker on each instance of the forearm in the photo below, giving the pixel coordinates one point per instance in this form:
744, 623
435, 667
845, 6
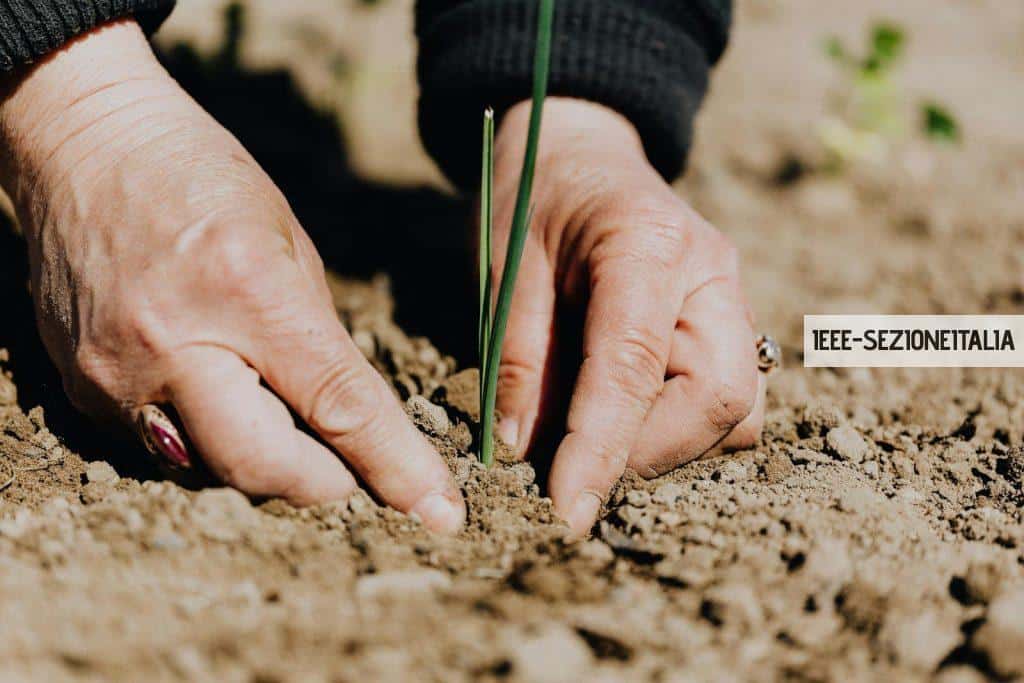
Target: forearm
646, 59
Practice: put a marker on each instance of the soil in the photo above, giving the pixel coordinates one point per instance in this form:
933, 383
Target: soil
875, 534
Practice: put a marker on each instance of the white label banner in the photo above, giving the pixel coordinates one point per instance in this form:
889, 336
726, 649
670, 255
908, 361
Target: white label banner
914, 341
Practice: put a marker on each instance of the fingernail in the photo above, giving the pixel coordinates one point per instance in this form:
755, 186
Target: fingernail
583, 513
508, 431
163, 439
440, 513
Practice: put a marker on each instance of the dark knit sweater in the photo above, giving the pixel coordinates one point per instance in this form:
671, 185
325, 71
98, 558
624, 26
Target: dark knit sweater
647, 59
30, 29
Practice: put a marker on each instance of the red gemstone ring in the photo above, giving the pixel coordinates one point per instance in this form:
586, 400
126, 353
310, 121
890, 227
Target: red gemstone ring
162, 438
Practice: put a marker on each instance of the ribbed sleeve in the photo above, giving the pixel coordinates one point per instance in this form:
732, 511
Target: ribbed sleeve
647, 59
30, 29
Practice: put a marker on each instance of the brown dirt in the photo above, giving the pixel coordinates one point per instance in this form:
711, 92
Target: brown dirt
875, 534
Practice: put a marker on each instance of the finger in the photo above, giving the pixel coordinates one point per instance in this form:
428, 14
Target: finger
713, 385
626, 345
311, 362
747, 434
526, 355
247, 436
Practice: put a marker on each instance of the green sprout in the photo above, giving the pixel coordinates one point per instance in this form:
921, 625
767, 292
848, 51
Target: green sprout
492, 326
939, 124
486, 233
869, 108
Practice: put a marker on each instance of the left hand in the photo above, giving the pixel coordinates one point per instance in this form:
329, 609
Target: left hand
669, 364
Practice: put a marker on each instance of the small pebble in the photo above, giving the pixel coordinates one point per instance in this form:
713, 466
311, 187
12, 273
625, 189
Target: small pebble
428, 355
670, 518
982, 581
819, 419
668, 493
921, 641
102, 472
847, 444
595, 551
555, 655
1001, 637
857, 499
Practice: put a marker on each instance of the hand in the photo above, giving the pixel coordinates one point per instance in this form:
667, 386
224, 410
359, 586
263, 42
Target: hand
167, 267
669, 365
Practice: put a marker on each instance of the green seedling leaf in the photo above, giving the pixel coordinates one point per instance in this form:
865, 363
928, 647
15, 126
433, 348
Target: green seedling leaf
485, 237
887, 41
520, 226
835, 49
939, 123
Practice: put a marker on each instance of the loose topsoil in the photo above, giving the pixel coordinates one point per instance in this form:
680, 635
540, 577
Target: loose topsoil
875, 534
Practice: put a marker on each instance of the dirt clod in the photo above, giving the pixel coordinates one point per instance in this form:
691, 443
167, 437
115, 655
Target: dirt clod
431, 418
1002, 635
847, 444
556, 654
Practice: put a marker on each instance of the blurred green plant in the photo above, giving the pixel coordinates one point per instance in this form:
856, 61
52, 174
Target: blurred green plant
938, 123
491, 333
869, 106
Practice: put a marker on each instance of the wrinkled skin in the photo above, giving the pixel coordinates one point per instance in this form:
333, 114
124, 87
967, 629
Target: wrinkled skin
669, 369
167, 268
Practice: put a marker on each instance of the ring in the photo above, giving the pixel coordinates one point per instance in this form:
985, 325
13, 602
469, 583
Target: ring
161, 437
769, 354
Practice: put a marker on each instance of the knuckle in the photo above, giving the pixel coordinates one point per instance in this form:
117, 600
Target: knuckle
517, 372
236, 262
662, 248
344, 404
639, 365
656, 241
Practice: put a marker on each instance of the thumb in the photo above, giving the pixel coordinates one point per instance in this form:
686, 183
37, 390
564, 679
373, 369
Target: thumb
526, 353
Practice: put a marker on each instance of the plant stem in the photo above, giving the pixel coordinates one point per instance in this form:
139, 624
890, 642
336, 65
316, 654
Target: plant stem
486, 232
520, 225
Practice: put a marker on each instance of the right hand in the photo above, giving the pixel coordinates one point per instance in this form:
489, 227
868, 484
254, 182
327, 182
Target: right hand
167, 268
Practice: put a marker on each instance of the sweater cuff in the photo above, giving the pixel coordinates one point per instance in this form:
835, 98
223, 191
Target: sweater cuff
30, 29
612, 52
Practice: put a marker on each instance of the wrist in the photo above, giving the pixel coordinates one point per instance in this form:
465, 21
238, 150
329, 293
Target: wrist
573, 123
99, 76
